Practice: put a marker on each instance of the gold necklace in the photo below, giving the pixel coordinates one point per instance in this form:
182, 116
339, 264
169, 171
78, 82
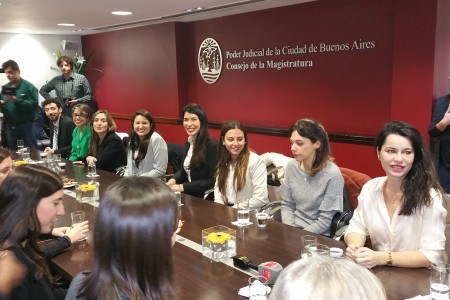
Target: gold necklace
391, 199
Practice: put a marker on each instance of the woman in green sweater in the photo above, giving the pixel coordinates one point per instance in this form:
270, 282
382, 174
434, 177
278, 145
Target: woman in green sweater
82, 116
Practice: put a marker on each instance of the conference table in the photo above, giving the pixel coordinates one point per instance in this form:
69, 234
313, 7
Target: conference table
196, 276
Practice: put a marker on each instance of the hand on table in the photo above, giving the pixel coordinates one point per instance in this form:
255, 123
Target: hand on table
363, 256
91, 160
351, 249
78, 231
49, 150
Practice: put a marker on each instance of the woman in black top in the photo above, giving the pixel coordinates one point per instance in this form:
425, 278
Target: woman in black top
30, 202
200, 156
106, 148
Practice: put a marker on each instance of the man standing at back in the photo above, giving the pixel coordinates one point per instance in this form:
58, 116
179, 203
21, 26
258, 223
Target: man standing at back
19, 105
71, 88
439, 130
61, 128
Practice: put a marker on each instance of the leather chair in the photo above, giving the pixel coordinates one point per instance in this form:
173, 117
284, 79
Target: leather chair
353, 183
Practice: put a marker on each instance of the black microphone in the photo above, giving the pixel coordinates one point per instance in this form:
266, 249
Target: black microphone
243, 262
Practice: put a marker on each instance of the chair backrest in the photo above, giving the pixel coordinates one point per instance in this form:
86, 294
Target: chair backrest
354, 182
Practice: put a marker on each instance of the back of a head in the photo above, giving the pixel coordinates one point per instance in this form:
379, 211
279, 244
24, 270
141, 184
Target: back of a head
133, 238
324, 278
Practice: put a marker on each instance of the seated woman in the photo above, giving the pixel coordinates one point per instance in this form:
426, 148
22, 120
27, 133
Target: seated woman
82, 116
312, 189
62, 236
323, 277
241, 174
147, 150
402, 212
106, 148
30, 202
133, 238
200, 155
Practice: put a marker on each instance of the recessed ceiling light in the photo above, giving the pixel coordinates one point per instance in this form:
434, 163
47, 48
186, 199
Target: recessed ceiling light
122, 13
193, 9
66, 24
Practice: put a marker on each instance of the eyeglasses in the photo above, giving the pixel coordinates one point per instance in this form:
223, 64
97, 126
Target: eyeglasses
180, 225
78, 115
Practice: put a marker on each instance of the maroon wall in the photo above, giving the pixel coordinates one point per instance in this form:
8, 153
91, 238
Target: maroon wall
139, 69
354, 91
339, 83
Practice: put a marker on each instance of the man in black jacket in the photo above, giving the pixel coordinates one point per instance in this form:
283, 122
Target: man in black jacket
61, 128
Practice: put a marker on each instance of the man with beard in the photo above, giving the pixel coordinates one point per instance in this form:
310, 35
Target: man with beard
19, 105
61, 128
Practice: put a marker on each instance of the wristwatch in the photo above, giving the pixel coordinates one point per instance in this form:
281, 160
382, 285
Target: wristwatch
389, 261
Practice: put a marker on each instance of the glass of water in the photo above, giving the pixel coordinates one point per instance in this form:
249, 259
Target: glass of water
20, 145
91, 170
25, 153
439, 281
243, 212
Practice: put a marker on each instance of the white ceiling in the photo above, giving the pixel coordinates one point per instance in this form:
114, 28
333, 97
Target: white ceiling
94, 16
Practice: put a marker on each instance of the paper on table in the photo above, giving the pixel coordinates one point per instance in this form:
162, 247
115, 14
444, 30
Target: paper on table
426, 297
241, 225
244, 292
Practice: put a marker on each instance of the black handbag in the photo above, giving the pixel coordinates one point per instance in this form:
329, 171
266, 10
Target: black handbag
340, 219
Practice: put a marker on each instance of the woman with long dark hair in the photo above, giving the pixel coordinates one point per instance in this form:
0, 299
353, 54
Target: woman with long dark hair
147, 150
313, 186
62, 236
30, 202
241, 173
200, 155
106, 148
133, 238
402, 212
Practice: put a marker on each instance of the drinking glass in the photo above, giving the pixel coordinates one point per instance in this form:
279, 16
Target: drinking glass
91, 170
306, 240
56, 157
262, 219
20, 145
439, 281
25, 153
178, 194
78, 216
243, 212
316, 249
43, 155
257, 288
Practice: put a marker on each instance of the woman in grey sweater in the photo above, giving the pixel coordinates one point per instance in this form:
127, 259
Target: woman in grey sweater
312, 190
147, 150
